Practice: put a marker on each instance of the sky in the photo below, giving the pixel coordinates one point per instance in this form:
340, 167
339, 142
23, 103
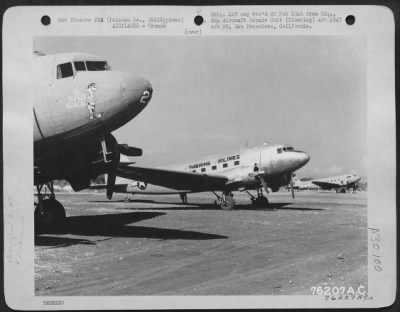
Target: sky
215, 94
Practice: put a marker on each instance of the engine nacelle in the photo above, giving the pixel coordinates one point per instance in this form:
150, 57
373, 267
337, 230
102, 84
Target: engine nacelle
278, 181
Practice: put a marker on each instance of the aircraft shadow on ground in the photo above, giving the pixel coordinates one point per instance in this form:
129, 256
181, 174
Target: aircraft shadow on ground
59, 241
193, 206
117, 225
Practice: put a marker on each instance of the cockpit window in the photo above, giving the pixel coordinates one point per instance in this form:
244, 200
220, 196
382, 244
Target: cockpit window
64, 70
285, 149
79, 65
97, 65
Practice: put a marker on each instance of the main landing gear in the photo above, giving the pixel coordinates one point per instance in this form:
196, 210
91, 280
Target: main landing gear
183, 197
260, 201
226, 201
49, 213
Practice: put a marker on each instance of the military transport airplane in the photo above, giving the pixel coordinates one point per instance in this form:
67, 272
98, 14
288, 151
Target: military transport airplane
79, 101
261, 167
339, 183
303, 185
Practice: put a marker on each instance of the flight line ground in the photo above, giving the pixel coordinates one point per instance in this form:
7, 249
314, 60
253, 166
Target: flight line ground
154, 245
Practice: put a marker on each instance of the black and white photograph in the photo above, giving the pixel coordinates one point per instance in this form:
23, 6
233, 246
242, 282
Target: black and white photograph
234, 164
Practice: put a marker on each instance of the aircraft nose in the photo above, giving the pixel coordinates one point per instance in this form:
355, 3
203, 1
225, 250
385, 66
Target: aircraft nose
301, 159
136, 91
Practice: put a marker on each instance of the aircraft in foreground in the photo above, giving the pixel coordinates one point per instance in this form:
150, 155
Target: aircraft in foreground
264, 167
340, 183
79, 101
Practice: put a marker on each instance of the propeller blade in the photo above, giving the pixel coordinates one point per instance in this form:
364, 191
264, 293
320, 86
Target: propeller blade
112, 172
127, 150
291, 187
118, 149
110, 184
264, 184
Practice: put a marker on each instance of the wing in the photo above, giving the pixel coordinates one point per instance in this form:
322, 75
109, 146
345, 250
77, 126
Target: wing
117, 188
177, 180
326, 185
126, 189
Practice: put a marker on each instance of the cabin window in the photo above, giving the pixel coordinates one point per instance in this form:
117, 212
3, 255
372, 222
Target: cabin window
236, 163
194, 171
289, 148
97, 65
214, 167
225, 165
80, 66
279, 150
64, 70
203, 169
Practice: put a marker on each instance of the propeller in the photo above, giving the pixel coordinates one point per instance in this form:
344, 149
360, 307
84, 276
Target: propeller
118, 149
112, 172
264, 184
291, 184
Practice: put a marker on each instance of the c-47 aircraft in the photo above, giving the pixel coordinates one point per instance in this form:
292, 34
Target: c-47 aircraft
302, 185
79, 101
261, 167
339, 183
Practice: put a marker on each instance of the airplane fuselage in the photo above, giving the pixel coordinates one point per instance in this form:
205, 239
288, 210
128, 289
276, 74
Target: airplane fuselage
66, 94
274, 162
78, 102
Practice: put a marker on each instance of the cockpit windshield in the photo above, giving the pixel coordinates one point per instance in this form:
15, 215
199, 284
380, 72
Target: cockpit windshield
79, 65
91, 65
97, 65
285, 149
64, 70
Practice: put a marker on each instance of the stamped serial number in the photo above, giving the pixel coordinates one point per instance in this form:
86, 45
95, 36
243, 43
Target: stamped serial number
53, 302
338, 290
376, 241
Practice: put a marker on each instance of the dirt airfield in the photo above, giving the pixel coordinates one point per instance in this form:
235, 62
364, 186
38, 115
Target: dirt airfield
154, 245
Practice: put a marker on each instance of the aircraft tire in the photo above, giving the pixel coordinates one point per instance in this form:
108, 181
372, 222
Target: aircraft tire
229, 203
261, 202
51, 218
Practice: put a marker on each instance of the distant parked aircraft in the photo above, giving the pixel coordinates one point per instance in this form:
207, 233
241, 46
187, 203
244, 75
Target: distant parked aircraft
340, 183
303, 185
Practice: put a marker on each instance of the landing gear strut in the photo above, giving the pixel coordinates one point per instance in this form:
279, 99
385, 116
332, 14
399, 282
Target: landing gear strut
260, 201
183, 197
49, 213
226, 201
